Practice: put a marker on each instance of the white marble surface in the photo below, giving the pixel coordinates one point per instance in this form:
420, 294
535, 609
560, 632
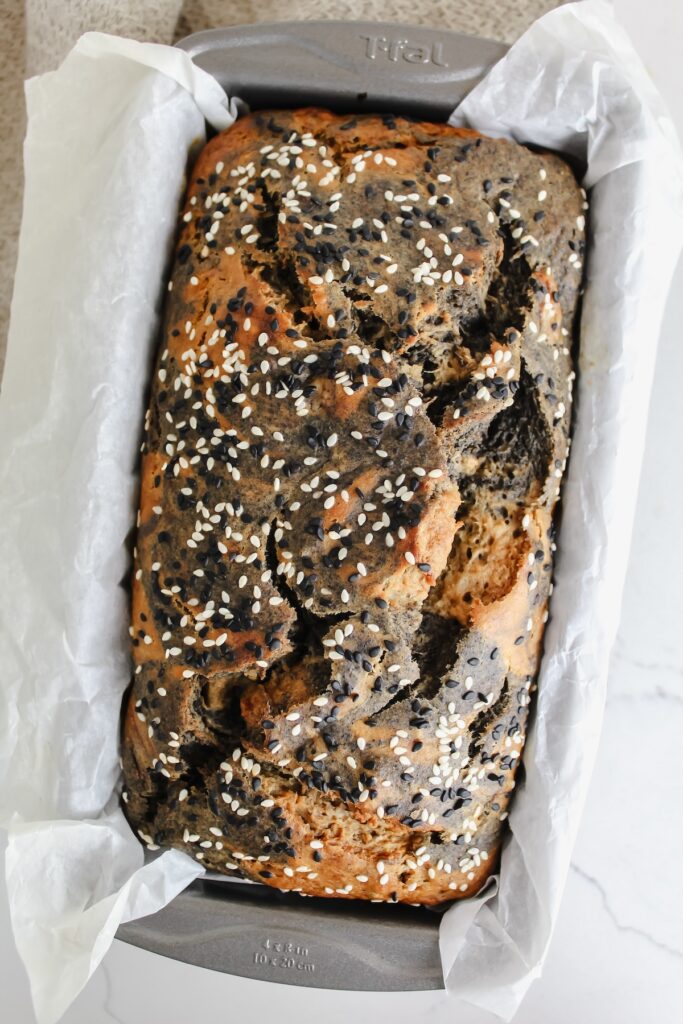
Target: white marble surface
617, 955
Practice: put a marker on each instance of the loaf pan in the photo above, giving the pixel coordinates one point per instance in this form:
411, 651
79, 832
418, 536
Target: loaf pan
244, 928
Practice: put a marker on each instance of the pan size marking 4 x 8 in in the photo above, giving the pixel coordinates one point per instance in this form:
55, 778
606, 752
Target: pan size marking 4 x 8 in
283, 955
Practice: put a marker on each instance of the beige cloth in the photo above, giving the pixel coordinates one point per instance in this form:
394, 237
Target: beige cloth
35, 37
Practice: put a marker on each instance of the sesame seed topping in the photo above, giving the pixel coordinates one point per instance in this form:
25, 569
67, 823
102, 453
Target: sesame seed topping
291, 400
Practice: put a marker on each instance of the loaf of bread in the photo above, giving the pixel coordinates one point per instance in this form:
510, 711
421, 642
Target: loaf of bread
358, 426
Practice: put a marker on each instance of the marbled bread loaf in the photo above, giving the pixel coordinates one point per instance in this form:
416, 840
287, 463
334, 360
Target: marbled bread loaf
358, 427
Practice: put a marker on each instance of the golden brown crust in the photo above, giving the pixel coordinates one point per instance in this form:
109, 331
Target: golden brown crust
357, 433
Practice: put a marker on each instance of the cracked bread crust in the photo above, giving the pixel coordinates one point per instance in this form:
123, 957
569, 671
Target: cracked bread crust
357, 432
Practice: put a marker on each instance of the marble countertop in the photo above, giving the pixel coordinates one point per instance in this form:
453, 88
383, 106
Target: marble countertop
617, 954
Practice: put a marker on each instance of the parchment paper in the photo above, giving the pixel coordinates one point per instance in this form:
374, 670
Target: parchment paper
108, 141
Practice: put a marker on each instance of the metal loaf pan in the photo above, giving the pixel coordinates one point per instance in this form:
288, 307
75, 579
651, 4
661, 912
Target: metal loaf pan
229, 925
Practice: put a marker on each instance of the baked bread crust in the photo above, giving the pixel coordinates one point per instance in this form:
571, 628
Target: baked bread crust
358, 427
